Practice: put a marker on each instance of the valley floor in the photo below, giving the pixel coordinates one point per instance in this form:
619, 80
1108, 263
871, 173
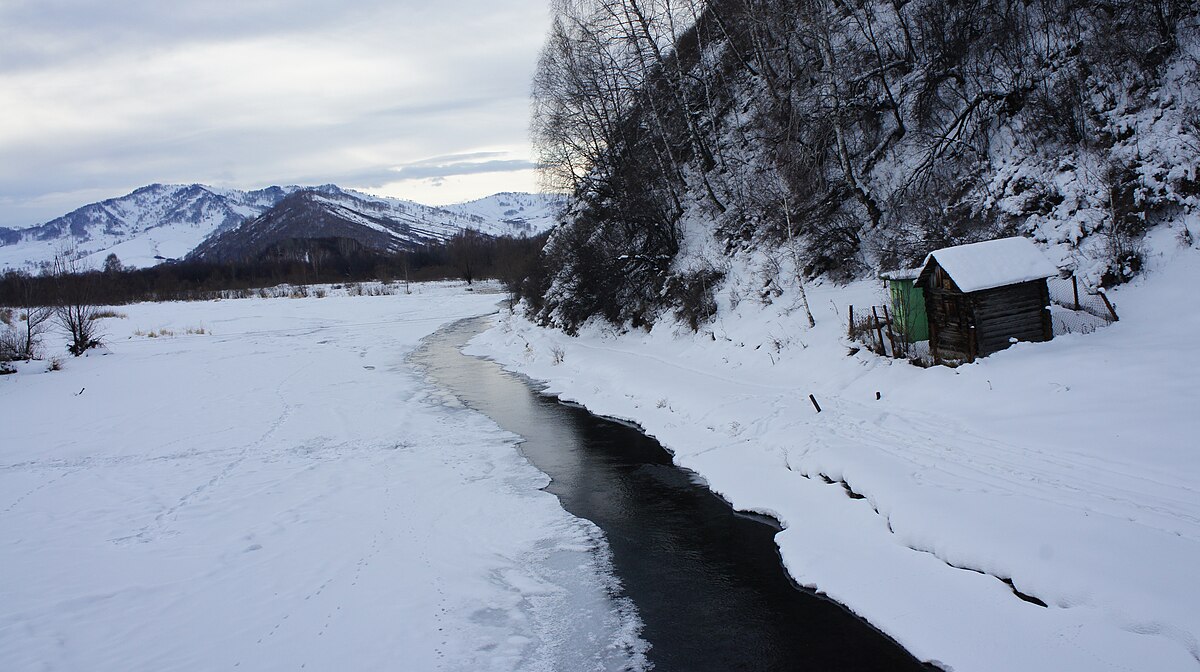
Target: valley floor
1036, 510
267, 484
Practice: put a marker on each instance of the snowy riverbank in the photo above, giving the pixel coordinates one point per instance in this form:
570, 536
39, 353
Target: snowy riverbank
269, 484
1068, 468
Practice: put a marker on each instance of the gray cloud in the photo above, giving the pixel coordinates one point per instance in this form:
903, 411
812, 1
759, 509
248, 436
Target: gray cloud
438, 170
443, 170
102, 98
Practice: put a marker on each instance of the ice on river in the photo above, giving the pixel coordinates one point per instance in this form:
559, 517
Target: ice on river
284, 491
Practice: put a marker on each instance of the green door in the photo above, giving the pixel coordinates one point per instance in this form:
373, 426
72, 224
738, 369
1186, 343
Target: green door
908, 305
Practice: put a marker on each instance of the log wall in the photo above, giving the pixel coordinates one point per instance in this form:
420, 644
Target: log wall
965, 326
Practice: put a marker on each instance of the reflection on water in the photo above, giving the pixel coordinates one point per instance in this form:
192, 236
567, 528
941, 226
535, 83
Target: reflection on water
707, 582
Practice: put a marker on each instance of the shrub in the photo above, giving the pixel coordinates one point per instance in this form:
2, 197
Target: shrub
692, 295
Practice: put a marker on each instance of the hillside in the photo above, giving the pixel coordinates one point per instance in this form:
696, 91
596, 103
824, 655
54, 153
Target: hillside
379, 224
849, 138
512, 214
384, 225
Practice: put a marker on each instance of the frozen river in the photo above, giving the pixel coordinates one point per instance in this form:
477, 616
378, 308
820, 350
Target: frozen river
706, 581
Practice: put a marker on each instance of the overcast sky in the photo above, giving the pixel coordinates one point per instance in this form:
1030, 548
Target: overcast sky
417, 99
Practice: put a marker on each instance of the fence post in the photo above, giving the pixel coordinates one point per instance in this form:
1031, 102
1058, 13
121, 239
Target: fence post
1075, 288
891, 336
1110, 308
850, 330
879, 330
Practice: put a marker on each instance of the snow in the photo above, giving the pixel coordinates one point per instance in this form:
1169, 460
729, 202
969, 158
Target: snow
268, 484
902, 274
1068, 468
993, 263
513, 214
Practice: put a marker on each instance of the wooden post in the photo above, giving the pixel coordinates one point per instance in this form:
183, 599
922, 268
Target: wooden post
1075, 288
891, 337
1047, 315
933, 338
1108, 305
879, 330
850, 330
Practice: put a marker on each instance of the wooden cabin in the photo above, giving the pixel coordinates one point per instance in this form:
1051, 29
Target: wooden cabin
981, 298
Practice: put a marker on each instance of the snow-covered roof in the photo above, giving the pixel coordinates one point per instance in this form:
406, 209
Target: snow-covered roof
902, 274
992, 263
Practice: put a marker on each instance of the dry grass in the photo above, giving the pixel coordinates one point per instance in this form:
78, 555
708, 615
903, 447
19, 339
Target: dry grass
163, 332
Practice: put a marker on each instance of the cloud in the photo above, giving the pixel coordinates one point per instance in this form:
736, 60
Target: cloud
424, 170
113, 96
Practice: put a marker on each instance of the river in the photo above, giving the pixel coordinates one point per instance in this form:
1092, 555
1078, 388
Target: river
707, 581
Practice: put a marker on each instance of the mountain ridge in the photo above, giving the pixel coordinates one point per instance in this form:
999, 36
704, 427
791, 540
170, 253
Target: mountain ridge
161, 222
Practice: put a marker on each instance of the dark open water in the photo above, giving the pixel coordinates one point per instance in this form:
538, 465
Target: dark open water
707, 581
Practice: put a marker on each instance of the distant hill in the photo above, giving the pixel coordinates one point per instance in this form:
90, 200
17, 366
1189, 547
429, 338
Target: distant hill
513, 214
143, 228
159, 222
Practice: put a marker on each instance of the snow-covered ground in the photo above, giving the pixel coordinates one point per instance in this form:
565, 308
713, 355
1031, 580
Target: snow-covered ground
1069, 468
270, 485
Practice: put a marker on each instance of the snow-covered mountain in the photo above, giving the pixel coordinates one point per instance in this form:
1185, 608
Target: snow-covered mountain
513, 214
377, 223
143, 228
160, 222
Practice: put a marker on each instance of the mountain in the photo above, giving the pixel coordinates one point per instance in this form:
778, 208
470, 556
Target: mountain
387, 225
143, 228
512, 214
162, 222
376, 223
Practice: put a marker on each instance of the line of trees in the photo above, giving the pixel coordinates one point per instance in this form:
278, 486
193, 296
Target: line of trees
69, 295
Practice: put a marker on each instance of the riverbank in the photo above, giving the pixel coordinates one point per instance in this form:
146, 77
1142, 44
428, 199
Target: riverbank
268, 484
948, 511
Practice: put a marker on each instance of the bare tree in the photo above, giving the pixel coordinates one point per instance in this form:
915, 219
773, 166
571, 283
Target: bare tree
22, 339
76, 309
112, 264
469, 253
